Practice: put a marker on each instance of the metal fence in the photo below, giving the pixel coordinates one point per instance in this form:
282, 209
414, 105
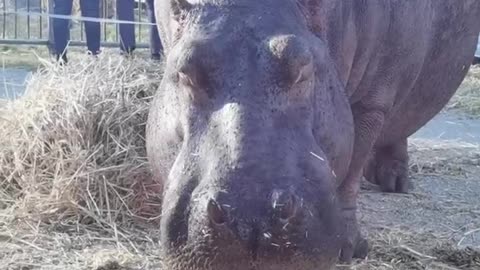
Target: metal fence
22, 24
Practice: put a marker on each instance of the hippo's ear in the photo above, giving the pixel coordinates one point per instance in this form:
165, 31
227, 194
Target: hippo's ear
294, 57
179, 7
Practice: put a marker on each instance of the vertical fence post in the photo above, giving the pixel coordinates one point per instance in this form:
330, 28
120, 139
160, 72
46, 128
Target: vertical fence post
102, 15
16, 20
116, 25
51, 38
28, 19
4, 27
40, 18
140, 9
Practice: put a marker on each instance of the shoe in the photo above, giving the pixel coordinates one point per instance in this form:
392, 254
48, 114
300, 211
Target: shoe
62, 59
127, 52
95, 54
155, 56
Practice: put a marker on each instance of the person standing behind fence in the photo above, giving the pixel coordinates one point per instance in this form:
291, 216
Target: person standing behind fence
155, 43
61, 29
125, 12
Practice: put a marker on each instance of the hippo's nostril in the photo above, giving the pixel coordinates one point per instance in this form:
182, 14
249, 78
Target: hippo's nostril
284, 204
216, 213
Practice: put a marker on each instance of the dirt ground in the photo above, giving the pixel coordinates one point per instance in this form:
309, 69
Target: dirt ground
436, 226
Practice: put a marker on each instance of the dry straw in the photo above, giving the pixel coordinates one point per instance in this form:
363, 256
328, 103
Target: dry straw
72, 148
467, 98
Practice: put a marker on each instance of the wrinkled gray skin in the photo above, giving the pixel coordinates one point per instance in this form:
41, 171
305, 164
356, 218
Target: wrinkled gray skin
268, 111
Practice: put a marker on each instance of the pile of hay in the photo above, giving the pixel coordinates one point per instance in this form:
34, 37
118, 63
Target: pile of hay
467, 98
72, 148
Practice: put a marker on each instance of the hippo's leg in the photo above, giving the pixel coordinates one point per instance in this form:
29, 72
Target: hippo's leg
368, 124
388, 168
370, 168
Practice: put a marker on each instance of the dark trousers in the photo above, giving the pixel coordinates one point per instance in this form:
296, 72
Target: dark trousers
125, 12
155, 43
61, 29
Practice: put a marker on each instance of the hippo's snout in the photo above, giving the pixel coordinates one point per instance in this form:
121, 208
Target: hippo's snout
277, 228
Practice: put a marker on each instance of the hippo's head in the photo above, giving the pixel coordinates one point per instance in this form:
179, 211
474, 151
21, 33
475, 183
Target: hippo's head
245, 134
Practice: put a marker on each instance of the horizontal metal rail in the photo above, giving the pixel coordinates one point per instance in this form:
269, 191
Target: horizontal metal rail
73, 43
29, 22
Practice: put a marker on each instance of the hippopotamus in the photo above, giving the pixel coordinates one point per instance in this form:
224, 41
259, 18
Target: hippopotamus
270, 113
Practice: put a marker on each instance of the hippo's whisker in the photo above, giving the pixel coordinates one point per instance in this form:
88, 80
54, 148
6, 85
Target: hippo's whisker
317, 156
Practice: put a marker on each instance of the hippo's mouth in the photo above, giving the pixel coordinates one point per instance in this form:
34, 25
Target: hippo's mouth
217, 249
195, 259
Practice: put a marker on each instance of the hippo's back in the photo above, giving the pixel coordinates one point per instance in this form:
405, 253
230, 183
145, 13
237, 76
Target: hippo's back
451, 45
410, 55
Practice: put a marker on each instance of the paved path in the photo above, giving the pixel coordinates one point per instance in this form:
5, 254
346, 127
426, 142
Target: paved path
12, 82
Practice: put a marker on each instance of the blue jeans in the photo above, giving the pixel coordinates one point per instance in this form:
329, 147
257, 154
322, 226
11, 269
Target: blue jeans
155, 43
61, 29
125, 12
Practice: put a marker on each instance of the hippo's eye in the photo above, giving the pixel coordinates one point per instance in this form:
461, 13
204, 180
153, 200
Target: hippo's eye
303, 74
184, 79
195, 85
192, 72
